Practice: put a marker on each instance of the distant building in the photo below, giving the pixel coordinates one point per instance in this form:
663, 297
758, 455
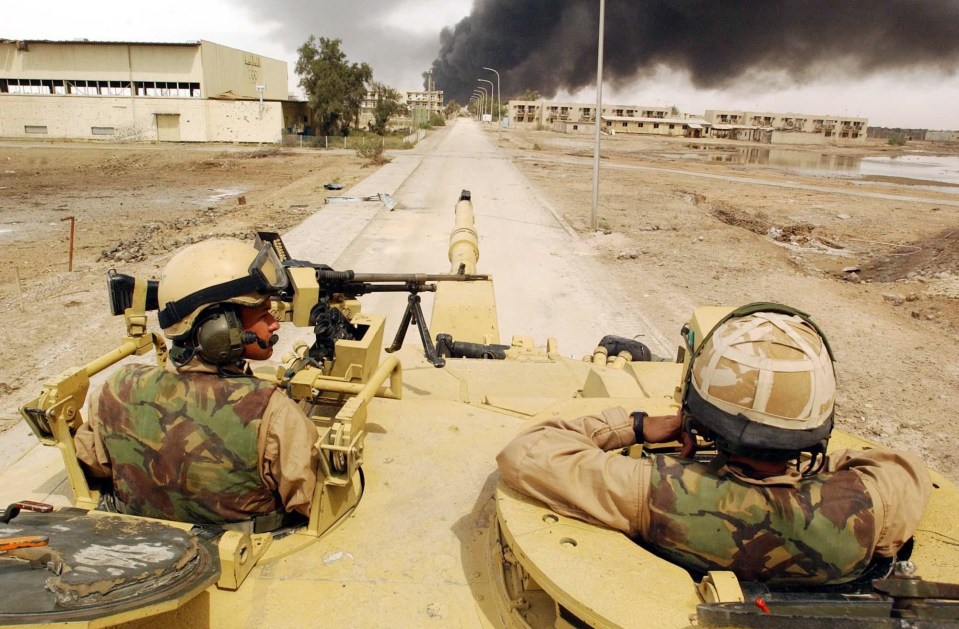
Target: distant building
885, 133
767, 127
419, 104
192, 92
942, 136
786, 128
544, 113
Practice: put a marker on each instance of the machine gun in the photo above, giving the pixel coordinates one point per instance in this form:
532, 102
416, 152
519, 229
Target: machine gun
323, 294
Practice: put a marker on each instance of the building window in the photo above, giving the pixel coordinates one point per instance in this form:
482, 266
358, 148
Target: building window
640, 125
35, 129
625, 124
166, 89
102, 130
672, 126
83, 87
655, 125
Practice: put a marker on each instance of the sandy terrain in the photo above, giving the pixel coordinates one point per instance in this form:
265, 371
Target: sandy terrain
679, 228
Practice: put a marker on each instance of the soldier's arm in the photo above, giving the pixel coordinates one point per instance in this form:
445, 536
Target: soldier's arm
900, 488
288, 457
90, 449
564, 463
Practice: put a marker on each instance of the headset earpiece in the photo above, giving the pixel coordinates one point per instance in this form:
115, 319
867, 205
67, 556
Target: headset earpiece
218, 336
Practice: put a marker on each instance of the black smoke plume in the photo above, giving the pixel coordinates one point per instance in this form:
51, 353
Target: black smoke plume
551, 45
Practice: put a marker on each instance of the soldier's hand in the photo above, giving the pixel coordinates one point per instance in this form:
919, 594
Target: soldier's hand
663, 428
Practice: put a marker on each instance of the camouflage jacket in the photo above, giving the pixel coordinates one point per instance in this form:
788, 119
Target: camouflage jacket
184, 446
820, 531
783, 529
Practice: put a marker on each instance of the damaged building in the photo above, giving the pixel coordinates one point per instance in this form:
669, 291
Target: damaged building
764, 127
786, 128
191, 92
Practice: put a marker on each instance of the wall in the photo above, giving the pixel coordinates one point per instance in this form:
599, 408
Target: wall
791, 137
241, 121
942, 136
230, 70
101, 62
133, 119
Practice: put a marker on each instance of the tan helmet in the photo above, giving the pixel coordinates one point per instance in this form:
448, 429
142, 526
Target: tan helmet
215, 272
763, 380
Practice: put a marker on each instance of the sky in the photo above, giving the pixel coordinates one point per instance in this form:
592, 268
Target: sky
400, 39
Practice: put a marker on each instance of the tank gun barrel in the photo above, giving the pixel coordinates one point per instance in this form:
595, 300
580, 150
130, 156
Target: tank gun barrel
464, 243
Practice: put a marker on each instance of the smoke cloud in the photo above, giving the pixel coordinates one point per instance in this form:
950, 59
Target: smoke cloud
550, 45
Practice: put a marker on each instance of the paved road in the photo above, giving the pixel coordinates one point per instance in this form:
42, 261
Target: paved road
548, 282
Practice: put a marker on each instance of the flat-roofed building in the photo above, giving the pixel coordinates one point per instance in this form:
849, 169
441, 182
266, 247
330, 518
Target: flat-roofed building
544, 113
191, 92
786, 128
419, 106
672, 126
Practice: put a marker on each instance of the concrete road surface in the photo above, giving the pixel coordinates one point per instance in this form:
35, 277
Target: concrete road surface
548, 282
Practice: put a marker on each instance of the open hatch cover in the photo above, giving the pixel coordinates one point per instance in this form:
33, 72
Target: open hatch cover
99, 566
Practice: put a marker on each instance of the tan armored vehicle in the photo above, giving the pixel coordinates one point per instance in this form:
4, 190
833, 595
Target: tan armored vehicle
410, 526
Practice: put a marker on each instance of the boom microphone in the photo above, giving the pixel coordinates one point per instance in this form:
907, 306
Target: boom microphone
248, 338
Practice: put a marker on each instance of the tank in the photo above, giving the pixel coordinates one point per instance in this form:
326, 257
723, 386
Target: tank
410, 524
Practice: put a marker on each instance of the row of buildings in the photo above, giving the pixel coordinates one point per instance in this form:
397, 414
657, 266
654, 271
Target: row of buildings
767, 127
178, 92
206, 92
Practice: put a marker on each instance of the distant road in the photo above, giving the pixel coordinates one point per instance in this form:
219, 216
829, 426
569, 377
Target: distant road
548, 283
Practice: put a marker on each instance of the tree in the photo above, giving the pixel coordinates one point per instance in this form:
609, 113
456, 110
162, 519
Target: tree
334, 88
387, 105
530, 95
452, 108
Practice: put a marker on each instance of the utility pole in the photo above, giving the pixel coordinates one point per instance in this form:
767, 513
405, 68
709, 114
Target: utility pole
594, 223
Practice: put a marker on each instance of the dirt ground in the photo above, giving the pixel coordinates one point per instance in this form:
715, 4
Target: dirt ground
880, 274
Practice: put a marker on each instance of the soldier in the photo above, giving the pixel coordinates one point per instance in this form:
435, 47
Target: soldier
771, 505
203, 441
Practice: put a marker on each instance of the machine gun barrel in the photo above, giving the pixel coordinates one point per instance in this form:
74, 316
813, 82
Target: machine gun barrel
409, 278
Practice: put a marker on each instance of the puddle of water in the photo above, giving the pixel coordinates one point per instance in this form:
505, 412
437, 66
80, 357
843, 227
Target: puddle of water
930, 168
224, 193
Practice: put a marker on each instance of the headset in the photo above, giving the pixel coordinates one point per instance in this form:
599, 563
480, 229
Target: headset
218, 337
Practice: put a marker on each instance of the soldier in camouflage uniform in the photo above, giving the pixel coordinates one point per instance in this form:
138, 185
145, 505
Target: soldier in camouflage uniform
770, 506
203, 441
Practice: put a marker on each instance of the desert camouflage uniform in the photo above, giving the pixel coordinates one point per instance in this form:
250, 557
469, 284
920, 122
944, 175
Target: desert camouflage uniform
196, 447
782, 529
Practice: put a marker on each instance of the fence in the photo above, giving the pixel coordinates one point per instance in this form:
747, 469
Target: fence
352, 142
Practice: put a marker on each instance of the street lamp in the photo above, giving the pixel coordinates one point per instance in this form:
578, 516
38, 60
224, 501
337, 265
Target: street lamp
599, 114
492, 92
480, 102
485, 99
499, 94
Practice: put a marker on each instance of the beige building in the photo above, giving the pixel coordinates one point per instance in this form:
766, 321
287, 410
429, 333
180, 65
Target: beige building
542, 113
672, 126
580, 118
786, 128
419, 105
191, 92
